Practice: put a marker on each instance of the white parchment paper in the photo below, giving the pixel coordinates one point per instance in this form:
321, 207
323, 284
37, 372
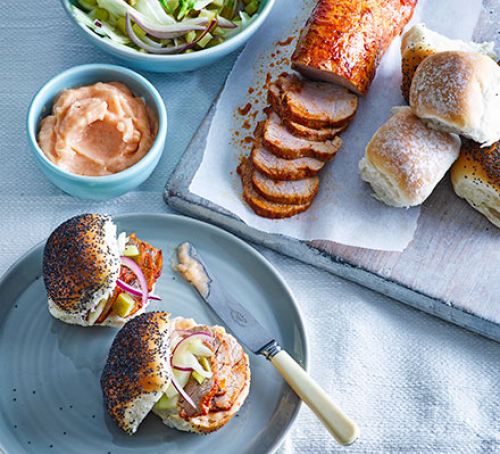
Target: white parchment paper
344, 210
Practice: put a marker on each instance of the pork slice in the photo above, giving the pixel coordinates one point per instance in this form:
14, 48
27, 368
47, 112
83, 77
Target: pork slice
274, 97
202, 394
319, 135
235, 378
259, 204
278, 139
300, 191
284, 169
315, 104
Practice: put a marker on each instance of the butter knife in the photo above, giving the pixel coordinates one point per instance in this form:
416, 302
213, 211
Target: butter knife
257, 339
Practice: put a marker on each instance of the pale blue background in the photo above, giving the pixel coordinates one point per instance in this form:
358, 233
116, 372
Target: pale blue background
413, 383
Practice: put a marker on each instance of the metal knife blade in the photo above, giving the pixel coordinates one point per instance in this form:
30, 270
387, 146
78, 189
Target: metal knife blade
256, 338
240, 322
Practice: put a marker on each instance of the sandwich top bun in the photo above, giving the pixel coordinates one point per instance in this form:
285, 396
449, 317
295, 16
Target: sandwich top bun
459, 92
137, 371
420, 42
476, 178
81, 263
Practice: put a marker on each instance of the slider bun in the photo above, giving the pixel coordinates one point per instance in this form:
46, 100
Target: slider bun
476, 178
214, 420
459, 92
405, 160
420, 42
136, 373
81, 263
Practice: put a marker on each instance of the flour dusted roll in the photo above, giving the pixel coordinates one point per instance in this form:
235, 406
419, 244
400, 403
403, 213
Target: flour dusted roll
459, 92
405, 159
476, 178
419, 42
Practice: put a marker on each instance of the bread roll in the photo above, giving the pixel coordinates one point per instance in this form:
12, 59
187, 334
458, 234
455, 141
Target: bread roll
81, 263
138, 375
419, 42
476, 178
459, 92
405, 159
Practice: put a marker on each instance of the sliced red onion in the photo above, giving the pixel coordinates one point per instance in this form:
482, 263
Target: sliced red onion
165, 50
133, 291
189, 332
136, 269
180, 389
152, 42
195, 333
222, 22
183, 369
184, 339
189, 335
165, 31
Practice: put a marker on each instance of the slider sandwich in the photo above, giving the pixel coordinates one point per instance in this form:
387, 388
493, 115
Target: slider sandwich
194, 377
94, 276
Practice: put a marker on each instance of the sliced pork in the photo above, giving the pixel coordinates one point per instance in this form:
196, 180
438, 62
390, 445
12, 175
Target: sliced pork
259, 204
274, 98
277, 138
290, 192
313, 104
284, 169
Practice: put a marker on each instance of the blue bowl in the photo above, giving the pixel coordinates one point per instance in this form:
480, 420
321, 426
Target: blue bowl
175, 63
97, 187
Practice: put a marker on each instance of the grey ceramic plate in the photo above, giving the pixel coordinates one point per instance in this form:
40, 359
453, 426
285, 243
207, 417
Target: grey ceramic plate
50, 399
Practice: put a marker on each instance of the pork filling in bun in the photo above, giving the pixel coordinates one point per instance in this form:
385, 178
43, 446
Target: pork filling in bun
199, 389
94, 276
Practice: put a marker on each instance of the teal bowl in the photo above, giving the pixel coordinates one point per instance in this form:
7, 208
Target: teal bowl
97, 187
175, 63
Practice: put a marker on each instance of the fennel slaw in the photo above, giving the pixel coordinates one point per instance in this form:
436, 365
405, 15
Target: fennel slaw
165, 27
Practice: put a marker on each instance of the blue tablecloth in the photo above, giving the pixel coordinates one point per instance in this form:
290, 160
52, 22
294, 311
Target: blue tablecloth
412, 382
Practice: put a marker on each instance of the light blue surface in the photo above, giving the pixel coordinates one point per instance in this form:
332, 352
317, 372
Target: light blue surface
175, 63
100, 187
57, 402
413, 383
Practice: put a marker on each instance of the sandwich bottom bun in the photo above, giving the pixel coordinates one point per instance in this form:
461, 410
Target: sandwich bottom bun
405, 159
137, 371
476, 178
231, 386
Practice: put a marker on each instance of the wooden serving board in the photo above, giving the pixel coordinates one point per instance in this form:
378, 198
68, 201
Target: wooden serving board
451, 269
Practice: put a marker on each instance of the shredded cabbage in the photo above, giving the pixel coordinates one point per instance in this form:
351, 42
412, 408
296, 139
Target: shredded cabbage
99, 27
231, 18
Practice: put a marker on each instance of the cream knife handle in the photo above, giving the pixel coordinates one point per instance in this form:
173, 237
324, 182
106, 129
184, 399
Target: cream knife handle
338, 424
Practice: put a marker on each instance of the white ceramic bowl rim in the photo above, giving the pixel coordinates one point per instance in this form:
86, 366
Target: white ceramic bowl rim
32, 122
234, 40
